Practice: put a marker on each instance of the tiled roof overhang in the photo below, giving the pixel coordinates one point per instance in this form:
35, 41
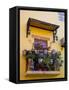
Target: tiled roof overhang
40, 24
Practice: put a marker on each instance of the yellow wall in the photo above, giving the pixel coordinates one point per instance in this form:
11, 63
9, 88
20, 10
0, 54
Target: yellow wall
48, 35
26, 43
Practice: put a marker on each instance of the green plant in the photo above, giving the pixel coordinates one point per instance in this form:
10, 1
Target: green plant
46, 60
59, 59
53, 61
30, 55
59, 55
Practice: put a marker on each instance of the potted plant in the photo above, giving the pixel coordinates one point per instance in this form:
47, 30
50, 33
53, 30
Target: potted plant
53, 61
46, 61
57, 60
30, 60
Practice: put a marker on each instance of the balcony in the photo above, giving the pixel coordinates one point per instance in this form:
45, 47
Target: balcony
43, 62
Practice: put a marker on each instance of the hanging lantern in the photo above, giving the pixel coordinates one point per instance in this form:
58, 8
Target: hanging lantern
56, 38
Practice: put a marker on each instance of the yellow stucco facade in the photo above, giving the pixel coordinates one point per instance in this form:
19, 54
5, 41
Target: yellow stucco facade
26, 42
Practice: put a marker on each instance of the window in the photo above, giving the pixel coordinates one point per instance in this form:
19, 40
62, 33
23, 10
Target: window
40, 44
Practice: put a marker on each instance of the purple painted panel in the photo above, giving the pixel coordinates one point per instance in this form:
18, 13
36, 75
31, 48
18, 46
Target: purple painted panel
40, 43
